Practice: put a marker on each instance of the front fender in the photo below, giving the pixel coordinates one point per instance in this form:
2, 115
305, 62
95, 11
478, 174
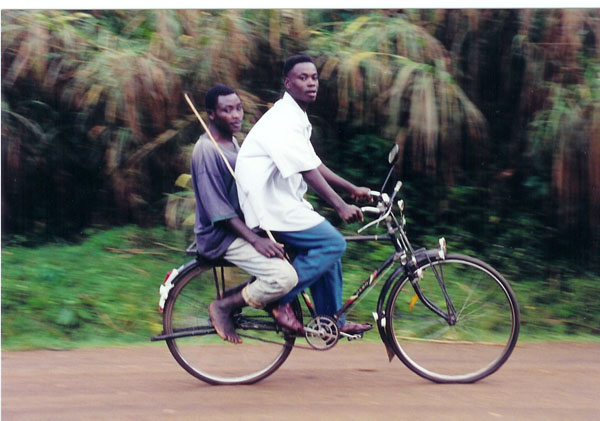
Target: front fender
379, 316
399, 275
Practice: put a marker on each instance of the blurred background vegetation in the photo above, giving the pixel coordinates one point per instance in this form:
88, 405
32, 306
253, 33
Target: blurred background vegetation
496, 112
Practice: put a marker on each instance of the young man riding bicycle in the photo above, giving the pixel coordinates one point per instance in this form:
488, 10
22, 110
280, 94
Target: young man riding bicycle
274, 166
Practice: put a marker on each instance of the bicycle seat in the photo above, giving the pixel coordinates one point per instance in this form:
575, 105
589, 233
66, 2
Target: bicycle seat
193, 251
216, 262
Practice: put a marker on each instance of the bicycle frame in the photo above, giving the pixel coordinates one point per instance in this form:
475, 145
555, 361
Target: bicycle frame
393, 258
408, 268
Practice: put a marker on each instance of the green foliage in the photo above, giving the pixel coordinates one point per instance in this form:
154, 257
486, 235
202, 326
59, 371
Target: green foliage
362, 159
92, 107
496, 113
102, 290
566, 304
563, 146
105, 291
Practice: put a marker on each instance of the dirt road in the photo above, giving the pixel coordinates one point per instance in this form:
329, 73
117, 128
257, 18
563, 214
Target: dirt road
352, 381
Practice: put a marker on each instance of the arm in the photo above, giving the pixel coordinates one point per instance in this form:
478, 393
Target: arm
356, 193
316, 181
209, 173
264, 246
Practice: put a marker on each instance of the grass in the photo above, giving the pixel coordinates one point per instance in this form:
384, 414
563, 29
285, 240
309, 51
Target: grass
104, 291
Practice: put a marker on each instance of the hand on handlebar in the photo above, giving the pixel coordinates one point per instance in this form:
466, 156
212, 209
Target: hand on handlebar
268, 248
350, 213
361, 194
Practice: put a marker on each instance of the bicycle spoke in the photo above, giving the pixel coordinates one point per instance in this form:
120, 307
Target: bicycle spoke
480, 340
202, 353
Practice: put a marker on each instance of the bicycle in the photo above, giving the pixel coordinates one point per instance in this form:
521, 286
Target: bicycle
449, 318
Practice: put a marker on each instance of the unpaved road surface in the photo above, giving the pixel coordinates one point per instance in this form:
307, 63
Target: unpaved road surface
552, 381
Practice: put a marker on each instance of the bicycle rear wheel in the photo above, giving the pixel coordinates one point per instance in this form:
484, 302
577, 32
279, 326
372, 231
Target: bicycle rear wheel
485, 332
202, 353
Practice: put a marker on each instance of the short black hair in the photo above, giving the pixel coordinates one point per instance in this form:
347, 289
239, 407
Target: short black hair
293, 60
213, 94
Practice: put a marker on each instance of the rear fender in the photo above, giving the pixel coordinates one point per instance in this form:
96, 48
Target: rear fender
174, 276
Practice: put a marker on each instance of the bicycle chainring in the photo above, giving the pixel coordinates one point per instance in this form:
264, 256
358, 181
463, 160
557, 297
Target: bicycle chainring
322, 333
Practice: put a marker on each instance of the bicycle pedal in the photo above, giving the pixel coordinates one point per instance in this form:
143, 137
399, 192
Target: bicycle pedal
354, 337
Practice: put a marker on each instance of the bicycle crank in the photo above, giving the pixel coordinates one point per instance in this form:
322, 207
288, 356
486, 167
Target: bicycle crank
321, 333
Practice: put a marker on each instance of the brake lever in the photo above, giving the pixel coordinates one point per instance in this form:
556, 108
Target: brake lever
376, 221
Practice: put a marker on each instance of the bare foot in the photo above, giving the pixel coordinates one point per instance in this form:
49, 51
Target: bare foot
221, 320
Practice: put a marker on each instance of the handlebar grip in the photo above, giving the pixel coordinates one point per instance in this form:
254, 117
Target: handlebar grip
370, 209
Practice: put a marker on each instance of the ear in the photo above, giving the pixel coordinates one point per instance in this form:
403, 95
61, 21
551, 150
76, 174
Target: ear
287, 83
210, 114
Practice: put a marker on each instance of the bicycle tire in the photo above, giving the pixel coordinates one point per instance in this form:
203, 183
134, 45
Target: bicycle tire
205, 355
485, 333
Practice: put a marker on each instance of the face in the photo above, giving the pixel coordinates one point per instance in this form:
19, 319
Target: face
302, 83
228, 113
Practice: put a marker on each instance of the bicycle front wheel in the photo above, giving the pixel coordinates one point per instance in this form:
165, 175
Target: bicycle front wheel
196, 346
476, 344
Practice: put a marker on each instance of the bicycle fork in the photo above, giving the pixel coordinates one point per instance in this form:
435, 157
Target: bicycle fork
450, 314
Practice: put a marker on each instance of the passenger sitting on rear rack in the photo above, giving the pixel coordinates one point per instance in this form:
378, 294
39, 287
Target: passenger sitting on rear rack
220, 230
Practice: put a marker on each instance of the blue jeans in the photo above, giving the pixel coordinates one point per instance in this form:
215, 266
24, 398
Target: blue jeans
318, 262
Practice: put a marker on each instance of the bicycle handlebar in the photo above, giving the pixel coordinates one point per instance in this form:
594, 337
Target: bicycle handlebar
370, 209
381, 211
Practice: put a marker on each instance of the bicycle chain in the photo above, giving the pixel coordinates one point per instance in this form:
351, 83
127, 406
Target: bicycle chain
317, 321
309, 348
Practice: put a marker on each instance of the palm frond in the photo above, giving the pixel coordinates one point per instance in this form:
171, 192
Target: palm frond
394, 69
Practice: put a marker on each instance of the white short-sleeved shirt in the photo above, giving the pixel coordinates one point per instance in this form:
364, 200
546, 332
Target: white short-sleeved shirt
271, 188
